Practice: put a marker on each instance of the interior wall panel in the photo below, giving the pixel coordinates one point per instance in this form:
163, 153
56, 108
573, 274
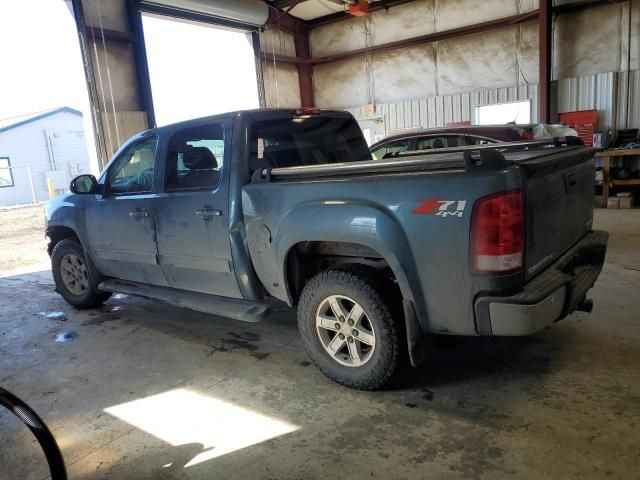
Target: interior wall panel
459, 68
278, 42
409, 73
589, 41
527, 53
281, 83
401, 23
417, 18
451, 14
281, 87
605, 92
491, 59
341, 84
635, 35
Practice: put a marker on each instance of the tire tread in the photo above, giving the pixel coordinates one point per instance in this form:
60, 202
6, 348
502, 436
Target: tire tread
94, 297
380, 373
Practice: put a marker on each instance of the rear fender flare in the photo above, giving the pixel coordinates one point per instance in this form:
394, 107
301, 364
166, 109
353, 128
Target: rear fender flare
357, 223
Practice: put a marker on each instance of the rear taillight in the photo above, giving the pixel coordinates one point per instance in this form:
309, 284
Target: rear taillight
497, 233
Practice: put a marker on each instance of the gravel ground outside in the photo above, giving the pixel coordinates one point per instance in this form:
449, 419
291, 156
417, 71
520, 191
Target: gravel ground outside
23, 247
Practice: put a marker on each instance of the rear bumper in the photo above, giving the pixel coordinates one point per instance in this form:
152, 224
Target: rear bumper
549, 297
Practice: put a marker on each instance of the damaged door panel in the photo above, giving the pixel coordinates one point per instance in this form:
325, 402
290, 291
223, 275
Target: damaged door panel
120, 220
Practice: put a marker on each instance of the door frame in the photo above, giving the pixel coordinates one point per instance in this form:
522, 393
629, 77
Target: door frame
226, 122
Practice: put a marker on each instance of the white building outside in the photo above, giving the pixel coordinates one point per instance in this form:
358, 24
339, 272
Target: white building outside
38, 148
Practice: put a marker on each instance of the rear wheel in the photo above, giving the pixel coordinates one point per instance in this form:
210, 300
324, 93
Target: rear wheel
72, 278
348, 329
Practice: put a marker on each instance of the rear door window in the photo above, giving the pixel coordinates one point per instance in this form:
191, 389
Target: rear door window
391, 148
440, 141
194, 158
471, 140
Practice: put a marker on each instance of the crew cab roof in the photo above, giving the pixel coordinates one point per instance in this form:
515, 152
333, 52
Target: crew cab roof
257, 114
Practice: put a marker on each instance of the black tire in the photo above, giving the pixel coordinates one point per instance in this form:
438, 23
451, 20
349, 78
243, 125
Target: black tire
359, 285
91, 297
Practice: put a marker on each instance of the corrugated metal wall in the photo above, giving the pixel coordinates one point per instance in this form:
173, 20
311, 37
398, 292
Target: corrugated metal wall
606, 92
438, 111
633, 104
589, 92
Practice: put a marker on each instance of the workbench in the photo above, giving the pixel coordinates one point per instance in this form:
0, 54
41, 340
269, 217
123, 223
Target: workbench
607, 157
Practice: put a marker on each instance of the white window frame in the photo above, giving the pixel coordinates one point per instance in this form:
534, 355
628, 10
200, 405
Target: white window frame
478, 110
10, 169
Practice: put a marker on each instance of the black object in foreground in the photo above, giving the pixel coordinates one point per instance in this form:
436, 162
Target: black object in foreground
40, 430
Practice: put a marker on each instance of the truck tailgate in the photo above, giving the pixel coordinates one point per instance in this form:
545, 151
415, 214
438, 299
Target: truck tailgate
559, 189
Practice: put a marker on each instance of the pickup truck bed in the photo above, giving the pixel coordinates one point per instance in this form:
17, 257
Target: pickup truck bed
429, 254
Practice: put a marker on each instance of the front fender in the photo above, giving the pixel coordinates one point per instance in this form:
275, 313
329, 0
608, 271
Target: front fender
67, 211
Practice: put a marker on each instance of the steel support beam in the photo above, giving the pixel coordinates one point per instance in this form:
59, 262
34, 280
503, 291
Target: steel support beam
142, 65
410, 42
285, 22
545, 19
94, 101
111, 35
305, 69
300, 32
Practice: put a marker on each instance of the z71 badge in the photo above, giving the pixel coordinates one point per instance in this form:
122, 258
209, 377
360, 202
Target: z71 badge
442, 208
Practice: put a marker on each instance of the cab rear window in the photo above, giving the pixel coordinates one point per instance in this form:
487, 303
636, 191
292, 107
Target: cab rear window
306, 140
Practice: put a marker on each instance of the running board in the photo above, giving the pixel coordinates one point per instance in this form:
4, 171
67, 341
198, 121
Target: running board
244, 310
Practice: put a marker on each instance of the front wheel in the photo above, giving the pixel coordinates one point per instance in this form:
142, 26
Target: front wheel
348, 330
71, 276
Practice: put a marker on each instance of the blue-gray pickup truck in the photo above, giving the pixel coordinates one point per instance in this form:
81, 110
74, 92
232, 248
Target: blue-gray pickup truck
244, 213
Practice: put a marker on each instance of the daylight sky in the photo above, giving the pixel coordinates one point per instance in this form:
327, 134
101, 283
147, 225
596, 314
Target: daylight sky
197, 70
40, 62
41, 68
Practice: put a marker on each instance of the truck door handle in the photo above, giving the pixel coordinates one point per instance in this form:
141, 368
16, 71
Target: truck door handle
569, 181
138, 213
207, 212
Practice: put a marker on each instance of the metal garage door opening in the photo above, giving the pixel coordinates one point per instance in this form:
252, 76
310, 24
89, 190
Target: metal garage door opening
197, 69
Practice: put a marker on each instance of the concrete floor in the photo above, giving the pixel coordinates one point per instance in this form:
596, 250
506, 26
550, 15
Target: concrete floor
151, 391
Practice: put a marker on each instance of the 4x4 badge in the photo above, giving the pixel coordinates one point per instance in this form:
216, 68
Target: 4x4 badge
442, 208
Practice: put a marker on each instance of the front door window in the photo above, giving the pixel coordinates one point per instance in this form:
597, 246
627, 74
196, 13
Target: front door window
133, 170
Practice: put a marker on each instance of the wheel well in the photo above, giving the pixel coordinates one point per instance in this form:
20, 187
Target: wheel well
306, 259
56, 234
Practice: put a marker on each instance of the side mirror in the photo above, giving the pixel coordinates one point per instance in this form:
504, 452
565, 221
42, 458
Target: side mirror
84, 184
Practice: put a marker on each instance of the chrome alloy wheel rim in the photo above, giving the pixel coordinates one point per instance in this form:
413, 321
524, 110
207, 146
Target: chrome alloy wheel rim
345, 331
75, 276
